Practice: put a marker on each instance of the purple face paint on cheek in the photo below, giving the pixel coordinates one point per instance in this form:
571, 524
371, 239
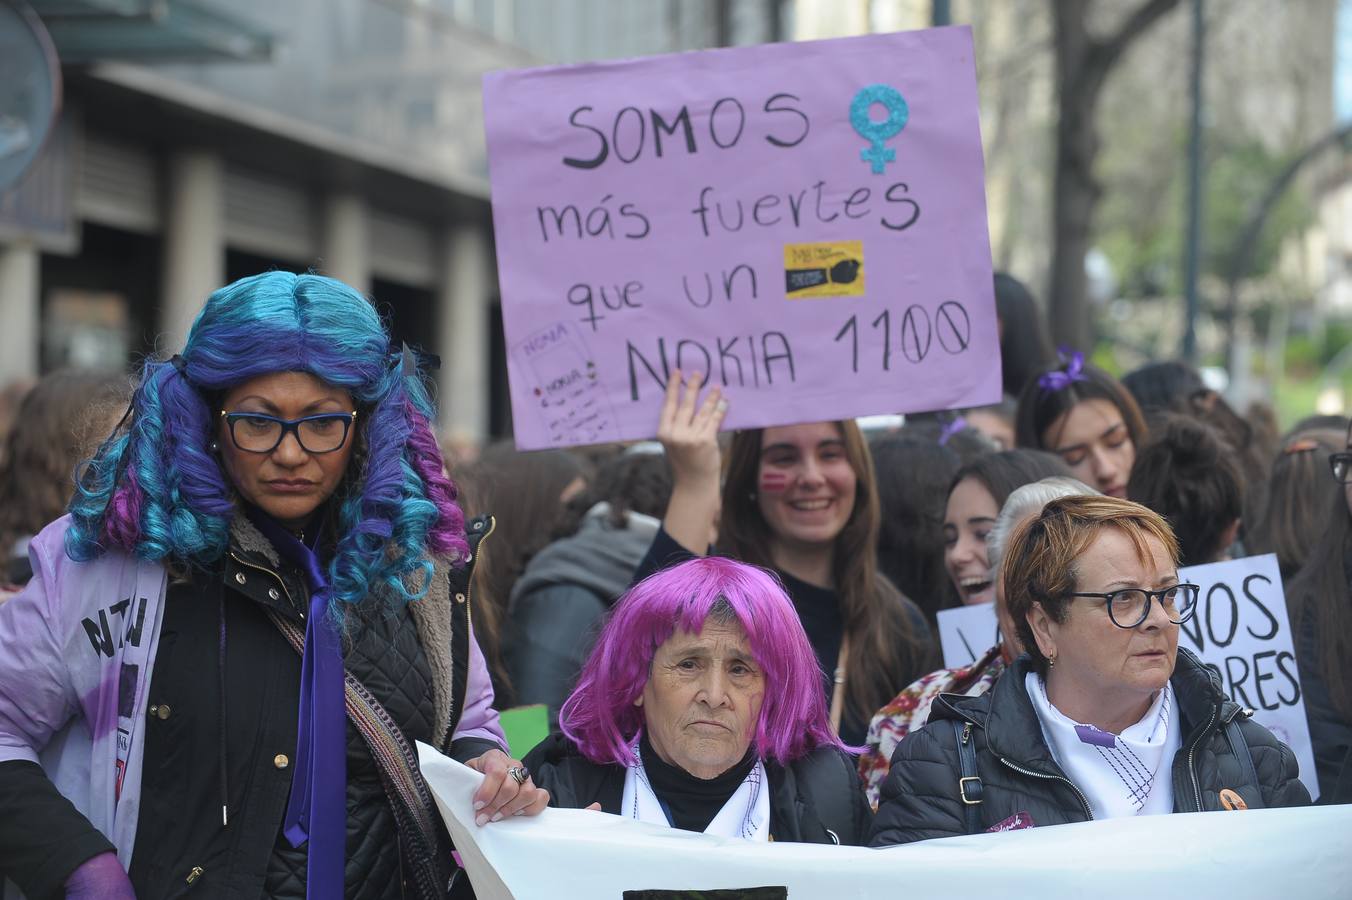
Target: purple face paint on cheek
1091, 735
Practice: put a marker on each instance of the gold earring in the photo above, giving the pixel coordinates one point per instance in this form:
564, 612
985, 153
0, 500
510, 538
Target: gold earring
1051, 661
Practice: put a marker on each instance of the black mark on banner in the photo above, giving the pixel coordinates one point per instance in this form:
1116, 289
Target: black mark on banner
729, 282
1245, 679
755, 893
727, 122
916, 333
615, 298
101, 634
737, 365
954, 326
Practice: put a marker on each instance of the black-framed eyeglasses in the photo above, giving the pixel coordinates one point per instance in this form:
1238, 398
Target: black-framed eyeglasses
1129, 607
261, 433
1341, 464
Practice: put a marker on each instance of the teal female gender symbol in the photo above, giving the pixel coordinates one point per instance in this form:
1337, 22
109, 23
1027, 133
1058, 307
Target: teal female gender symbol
876, 133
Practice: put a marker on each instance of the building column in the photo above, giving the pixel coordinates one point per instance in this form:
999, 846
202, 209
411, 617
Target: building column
346, 247
19, 306
463, 292
194, 240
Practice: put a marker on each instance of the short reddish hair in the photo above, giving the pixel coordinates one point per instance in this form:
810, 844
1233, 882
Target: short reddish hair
1040, 563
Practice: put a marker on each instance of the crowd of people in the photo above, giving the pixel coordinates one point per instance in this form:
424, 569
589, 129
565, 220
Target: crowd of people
241, 585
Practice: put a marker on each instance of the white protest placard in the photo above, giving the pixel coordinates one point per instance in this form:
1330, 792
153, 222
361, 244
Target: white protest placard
1241, 629
568, 854
967, 632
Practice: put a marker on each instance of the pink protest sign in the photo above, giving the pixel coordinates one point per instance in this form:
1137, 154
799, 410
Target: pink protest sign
806, 223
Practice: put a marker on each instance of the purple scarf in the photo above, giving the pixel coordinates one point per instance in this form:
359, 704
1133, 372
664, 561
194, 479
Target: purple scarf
317, 808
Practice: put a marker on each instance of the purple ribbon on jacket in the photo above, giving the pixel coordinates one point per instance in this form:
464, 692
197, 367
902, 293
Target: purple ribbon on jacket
1062, 378
317, 808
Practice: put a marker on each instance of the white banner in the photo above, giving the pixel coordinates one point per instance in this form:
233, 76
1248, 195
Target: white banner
567, 853
1240, 629
967, 632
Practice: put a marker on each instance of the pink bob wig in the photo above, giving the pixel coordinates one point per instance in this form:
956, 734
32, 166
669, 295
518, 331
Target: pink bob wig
600, 716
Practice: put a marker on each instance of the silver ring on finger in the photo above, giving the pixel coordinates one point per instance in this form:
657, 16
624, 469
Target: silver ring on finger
519, 774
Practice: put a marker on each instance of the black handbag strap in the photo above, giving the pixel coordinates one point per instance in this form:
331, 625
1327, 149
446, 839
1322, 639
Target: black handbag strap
1240, 748
969, 782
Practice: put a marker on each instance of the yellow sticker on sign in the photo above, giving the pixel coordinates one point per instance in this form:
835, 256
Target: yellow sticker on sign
832, 269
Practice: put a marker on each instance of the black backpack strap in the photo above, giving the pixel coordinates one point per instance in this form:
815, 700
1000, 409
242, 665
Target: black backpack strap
969, 782
462, 578
1239, 747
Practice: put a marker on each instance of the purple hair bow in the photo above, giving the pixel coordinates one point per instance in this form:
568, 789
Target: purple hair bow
1062, 378
952, 428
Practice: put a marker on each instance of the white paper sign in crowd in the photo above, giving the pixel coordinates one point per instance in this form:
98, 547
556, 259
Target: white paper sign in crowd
564, 854
966, 633
1240, 628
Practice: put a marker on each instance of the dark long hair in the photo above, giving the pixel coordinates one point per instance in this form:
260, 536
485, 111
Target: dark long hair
1189, 474
913, 476
58, 424
1173, 386
1295, 514
522, 490
885, 654
1024, 345
1322, 592
1004, 472
1040, 407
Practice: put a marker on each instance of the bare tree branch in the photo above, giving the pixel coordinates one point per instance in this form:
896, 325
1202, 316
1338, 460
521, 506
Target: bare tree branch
1107, 51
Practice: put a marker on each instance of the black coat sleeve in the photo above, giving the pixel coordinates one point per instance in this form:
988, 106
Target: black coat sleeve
665, 551
43, 837
556, 625
1330, 733
1276, 767
919, 798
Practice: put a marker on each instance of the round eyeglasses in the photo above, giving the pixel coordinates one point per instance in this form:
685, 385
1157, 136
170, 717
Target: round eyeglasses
1129, 607
1341, 464
260, 433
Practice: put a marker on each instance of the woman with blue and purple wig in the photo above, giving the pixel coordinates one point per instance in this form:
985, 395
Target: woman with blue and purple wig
258, 602
701, 708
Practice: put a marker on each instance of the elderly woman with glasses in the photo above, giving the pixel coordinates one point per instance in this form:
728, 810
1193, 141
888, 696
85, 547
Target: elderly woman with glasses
701, 708
258, 603
1104, 716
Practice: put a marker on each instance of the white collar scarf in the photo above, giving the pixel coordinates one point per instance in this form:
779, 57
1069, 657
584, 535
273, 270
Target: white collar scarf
746, 814
1127, 774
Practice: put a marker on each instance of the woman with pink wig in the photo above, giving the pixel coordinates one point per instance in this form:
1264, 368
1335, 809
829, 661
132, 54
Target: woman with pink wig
700, 708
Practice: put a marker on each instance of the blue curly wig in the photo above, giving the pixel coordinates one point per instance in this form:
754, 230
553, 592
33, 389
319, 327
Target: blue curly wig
154, 489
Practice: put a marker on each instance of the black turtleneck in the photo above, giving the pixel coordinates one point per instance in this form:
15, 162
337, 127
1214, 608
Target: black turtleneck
691, 803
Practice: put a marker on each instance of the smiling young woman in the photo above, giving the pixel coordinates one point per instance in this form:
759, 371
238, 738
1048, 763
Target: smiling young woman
977, 494
800, 499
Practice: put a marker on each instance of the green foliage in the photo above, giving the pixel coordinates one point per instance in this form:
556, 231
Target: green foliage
1145, 241
1236, 182
1302, 355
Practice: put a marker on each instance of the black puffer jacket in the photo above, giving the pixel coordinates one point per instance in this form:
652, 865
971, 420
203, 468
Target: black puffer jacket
815, 800
920, 798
